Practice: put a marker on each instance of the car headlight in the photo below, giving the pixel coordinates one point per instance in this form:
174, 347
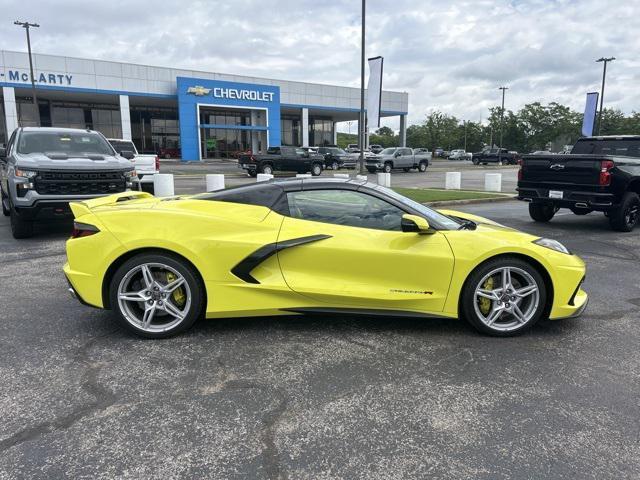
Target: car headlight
25, 173
552, 244
130, 173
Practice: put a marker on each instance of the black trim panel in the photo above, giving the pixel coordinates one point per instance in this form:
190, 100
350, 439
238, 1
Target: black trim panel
362, 311
243, 269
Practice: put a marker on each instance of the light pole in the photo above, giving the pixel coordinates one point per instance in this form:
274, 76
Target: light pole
27, 26
362, 120
604, 74
465, 135
504, 89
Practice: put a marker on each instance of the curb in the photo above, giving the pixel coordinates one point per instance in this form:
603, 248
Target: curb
469, 201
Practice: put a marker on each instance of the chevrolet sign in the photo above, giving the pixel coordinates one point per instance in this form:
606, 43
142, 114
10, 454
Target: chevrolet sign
232, 93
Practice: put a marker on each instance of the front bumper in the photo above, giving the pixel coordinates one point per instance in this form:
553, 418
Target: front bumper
570, 199
580, 303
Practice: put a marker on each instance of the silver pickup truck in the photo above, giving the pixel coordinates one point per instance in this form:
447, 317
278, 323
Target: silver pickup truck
43, 169
398, 157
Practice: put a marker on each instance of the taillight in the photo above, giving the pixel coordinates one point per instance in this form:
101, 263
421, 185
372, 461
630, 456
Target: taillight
519, 169
83, 230
157, 163
605, 172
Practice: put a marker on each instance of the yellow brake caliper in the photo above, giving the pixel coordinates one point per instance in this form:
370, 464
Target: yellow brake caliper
178, 294
485, 303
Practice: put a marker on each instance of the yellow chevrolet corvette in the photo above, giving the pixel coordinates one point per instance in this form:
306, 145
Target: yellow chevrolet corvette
311, 245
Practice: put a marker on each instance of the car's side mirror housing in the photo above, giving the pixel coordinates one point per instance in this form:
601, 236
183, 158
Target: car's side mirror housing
397, 154
415, 224
128, 154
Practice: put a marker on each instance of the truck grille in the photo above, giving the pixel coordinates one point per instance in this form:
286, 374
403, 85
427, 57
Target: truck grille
79, 183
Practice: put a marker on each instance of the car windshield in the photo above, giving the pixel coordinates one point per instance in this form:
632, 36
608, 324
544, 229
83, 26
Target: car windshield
428, 213
70, 143
388, 151
338, 151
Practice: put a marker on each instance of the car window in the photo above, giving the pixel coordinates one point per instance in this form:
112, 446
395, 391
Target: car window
122, 146
344, 207
300, 151
273, 150
405, 151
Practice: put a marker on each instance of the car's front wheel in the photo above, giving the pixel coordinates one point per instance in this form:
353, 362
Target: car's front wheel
387, 167
335, 165
504, 297
267, 169
5, 203
156, 295
20, 228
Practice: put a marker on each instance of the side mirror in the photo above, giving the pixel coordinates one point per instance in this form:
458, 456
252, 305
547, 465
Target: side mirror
128, 154
415, 224
397, 154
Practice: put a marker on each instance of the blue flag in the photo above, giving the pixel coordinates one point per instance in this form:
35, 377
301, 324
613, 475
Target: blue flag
590, 114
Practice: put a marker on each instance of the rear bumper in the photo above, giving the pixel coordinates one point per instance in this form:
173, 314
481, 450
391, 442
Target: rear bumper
592, 200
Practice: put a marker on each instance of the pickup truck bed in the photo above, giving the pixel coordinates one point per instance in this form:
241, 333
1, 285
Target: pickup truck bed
601, 174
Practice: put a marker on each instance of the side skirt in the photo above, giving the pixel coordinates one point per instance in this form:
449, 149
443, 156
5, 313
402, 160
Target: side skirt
364, 311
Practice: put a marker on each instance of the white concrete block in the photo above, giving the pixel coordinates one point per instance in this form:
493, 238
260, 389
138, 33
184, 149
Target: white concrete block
384, 179
163, 185
303, 175
453, 181
362, 177
215, 181
341, 175
263, 177
493, 182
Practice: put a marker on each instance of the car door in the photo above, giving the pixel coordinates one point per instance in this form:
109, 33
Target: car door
406, 158
354, 253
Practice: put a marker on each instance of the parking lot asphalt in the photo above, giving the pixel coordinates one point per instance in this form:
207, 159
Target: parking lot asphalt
322, 397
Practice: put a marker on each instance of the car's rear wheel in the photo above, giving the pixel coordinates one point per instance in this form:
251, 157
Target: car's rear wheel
335, 165
252, 173
625, 217
156, 295
316, 169
542, 213
422, 167
504, 297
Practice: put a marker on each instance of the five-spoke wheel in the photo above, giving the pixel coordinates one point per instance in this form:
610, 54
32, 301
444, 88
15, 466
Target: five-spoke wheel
504, 297
156, 295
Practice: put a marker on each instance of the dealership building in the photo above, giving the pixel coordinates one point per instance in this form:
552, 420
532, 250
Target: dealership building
178, 113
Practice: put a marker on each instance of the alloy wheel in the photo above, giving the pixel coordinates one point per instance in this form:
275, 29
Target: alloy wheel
154, 297
631, 215
506, 299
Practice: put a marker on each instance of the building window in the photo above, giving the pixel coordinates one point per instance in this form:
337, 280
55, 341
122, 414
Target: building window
290, 130
156, 130
320, 131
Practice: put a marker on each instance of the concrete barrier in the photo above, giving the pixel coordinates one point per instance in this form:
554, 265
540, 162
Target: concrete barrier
303, 175
263, 177
493, 182
362, 177
384, 179
215, 181
453, 181
341, 175
163, 185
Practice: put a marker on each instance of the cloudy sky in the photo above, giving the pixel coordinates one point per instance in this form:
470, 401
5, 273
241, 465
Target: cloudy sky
449, 55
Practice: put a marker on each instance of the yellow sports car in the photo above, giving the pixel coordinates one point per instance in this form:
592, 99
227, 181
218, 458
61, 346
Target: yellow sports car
311, 245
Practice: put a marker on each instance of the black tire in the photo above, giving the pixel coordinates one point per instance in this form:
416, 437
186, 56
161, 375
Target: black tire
253, 173
20, 228
625, 217
5, 202
507, 325
195, 287
406, 169
147, 187
316, 170
267, 168
335, 166
581, 211
422, 167
388, 166
541, 212
371, 170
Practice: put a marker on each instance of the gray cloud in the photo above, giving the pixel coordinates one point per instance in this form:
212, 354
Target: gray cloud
450, 56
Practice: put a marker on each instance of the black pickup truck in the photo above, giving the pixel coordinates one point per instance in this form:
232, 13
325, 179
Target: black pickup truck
282, 159
495, 155
600, 174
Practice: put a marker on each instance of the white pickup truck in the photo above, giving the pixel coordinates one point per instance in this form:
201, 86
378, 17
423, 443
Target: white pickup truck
147, 165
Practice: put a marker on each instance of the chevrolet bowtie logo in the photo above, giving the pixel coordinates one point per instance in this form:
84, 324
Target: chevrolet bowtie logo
557, 166
198, 90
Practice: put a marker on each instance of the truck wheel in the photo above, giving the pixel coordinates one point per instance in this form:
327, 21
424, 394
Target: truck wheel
335, 166
316, 169
267, 168
542, 213
474, 161
387, 167
371, 170
20, 228
406, 169
253, 173
422, 167
625, 217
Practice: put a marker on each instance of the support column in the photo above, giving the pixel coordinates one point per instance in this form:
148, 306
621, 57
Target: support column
254, 133
335, 133
10, 110
125, 117
403, 130
305, 127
